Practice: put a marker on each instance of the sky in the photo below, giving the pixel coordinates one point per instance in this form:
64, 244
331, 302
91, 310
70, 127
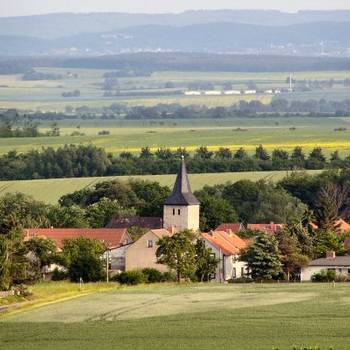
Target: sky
30, 7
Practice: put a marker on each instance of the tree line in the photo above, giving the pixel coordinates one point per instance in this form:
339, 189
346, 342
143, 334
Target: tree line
86, 161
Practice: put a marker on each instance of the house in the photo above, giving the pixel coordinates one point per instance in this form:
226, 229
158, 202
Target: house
226, 247
142, 253
340, 264
232, 92
269, 229
230, 227
341, 225
148, 222
181, 208
116, 257
109, 237
212, 93
193, 93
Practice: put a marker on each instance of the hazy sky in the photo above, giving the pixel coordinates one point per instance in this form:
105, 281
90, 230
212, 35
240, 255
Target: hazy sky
27, 7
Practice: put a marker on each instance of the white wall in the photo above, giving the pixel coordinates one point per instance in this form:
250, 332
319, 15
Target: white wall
228, 267
187, 219
307, 272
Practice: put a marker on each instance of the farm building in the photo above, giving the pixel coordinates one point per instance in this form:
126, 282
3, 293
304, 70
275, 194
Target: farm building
339, 264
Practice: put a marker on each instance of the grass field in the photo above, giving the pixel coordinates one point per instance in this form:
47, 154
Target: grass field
47, 94
51, 190
130, 136
237, 317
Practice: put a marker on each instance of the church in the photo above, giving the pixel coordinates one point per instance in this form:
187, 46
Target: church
181, 208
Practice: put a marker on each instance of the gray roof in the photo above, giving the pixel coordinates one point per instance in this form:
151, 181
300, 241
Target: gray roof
337, 261
182, 194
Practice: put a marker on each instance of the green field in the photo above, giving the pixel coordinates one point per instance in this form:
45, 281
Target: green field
237, 317
130, 136
51, 190
46, 95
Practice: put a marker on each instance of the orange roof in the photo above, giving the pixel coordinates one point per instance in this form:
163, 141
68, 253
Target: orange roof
340, 224
110, 237
269, 229
233, 227
161, 232
228, 243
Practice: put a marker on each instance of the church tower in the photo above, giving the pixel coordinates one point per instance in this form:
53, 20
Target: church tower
181, 208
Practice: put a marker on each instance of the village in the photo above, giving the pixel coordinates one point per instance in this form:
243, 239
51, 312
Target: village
181, 213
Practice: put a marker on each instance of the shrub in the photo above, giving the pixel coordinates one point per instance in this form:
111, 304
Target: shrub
131, 278
59, 275
152, 275
169, 277
324, 276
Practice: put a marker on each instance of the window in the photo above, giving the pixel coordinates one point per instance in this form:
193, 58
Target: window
149, 243
234, 273
173, 211
242, 271
178, 212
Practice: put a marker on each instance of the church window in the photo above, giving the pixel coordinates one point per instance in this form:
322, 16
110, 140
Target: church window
178, 211
173, 211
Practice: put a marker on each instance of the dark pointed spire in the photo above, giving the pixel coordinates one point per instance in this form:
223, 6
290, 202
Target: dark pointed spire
182, 194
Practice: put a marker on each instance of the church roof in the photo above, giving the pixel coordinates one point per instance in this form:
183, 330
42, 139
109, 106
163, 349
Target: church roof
182, 194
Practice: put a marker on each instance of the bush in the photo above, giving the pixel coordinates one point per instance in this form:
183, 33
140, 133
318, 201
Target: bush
241, 280
152, 275
131, 278
324, 276
169, 277
59, 275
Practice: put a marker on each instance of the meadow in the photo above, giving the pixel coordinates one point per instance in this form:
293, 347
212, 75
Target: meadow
198, 316
50, 190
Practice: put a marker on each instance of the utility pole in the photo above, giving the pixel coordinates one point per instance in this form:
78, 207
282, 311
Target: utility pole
107, 265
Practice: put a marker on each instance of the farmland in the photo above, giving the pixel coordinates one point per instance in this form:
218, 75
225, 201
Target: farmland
51, 190
130, 136
46, 95
188, 317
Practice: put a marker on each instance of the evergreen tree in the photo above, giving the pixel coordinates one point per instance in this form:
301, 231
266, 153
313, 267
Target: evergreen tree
263, 258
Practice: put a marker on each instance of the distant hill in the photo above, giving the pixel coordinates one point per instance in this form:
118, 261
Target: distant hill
304, 39
68, 24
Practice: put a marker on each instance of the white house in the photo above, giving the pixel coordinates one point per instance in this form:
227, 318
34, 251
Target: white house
340, 264
226, 247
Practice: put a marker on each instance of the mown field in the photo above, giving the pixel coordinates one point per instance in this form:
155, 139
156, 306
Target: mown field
131, 136
46, 95
237, 317
51, 190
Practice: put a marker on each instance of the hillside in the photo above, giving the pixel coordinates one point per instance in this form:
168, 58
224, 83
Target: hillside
67, 24
312, 39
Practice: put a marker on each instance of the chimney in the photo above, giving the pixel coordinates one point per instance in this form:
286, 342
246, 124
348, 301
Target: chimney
330, 255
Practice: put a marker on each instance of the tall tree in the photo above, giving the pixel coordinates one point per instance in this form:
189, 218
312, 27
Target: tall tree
263, 258
178, 253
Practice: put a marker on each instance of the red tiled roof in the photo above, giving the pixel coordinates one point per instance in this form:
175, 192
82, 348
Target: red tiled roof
110, 237
269, 229
341, 225
161, 232
229, 244
233, 227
